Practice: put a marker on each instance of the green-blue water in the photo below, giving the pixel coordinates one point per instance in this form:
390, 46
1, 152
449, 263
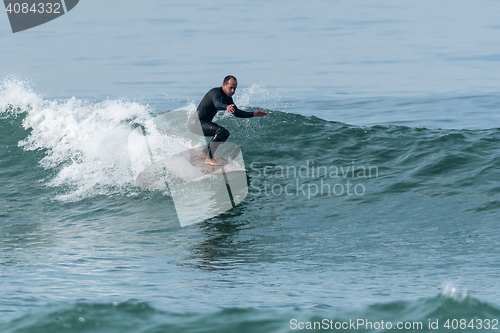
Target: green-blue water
409, 235
373, 182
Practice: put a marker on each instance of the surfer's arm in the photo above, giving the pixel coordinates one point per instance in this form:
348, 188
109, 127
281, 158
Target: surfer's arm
218, 101
219, 105
242, 114
232, 108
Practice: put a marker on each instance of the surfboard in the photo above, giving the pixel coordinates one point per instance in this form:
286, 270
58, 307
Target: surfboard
163, 157
226, 167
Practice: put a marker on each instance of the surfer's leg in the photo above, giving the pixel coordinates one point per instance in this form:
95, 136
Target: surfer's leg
218, 133
207, 128
220, 136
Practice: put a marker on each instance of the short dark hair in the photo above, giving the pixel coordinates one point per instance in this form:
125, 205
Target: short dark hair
229, 77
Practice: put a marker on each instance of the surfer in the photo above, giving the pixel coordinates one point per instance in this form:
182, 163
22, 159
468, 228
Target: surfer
219, 98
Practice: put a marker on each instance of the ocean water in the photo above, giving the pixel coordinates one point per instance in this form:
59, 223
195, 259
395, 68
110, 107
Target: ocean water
373, 182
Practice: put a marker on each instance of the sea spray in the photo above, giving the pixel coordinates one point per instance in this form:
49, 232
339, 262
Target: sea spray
84, 143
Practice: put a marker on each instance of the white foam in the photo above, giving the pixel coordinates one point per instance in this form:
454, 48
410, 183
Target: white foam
16, 97
450, 290
259, 96
190, 108
84, 142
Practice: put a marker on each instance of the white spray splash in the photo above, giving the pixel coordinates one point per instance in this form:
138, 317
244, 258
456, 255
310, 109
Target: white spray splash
450, 290
84, 142
260, 96
16, 98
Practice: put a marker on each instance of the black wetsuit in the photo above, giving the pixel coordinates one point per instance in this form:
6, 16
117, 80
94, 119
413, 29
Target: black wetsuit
201, 121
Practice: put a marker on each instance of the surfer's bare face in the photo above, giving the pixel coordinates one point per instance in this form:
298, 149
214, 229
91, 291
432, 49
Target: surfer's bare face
230, 88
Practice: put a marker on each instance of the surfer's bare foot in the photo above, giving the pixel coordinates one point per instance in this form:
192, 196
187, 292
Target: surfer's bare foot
211, 161
203, 155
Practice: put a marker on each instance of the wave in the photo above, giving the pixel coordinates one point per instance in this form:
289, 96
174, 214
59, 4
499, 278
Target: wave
84, 148
83, 143
441, 313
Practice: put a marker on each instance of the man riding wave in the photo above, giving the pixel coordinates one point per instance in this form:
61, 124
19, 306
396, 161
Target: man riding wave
219, 98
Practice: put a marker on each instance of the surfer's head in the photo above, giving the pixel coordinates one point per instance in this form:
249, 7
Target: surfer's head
229, 85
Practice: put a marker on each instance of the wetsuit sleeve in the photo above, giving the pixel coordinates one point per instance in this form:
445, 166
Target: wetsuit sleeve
242, 114
218, 101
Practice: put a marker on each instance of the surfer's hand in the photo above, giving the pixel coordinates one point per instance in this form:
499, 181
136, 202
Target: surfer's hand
231, 108
259, 114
